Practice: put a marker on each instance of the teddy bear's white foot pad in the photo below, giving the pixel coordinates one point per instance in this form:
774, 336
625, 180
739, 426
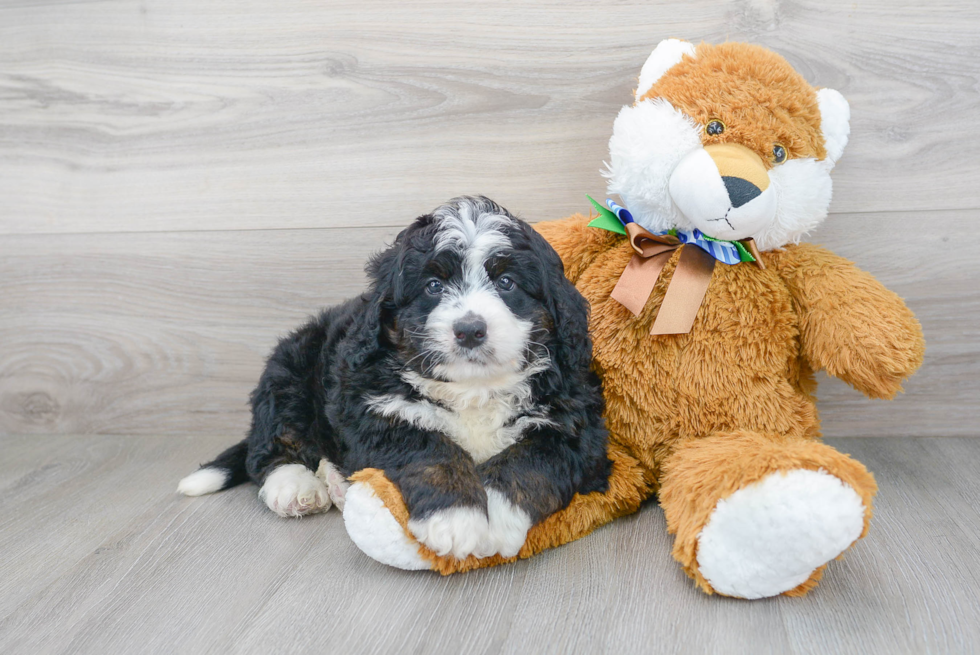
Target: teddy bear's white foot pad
376, 532
770, 536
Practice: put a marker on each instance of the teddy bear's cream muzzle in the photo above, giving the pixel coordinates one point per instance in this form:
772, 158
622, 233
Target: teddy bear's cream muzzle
724, 190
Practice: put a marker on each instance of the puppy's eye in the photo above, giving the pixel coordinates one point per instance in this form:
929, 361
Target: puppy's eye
778, 154
714, 128
434, 287
504, 283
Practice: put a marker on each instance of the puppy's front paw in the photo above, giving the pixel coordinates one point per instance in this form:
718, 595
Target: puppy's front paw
293, 490
508, 527
337, 484
456, 530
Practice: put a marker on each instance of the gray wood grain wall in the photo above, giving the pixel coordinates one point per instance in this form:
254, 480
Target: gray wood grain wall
182, 182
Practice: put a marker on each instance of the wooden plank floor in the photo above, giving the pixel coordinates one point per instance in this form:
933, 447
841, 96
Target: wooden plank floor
99, 555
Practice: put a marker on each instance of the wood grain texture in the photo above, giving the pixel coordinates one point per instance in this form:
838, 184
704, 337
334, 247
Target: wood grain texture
183, 182
142, 334
158, 333
113, 561
157, 115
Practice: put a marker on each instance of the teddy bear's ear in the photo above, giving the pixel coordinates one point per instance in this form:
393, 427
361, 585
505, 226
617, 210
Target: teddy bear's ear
667, 53
835, 117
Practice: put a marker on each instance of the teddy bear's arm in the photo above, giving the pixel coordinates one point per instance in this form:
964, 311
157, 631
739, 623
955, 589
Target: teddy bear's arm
576, 243
850, 324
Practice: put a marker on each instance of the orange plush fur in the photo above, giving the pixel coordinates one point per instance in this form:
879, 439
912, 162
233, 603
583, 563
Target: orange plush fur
695, 417
754, 92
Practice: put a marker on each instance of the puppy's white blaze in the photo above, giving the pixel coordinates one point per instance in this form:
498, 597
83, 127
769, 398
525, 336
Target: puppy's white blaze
203, 481
466, 227
375, 531
294, 490
508, 527
485, 244
457, 530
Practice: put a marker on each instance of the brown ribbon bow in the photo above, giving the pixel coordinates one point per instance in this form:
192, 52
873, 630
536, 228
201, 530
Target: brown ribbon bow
686, 288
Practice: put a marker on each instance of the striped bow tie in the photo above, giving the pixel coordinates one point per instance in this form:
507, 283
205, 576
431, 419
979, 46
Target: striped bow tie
616, 218
692, 275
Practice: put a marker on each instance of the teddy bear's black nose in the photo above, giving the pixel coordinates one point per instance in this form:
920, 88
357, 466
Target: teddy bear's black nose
740, 191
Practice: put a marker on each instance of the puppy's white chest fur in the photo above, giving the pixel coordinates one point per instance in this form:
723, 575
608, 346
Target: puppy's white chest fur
480, 418
480, 429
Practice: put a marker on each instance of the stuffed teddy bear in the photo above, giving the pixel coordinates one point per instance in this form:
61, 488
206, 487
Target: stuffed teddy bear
709, 319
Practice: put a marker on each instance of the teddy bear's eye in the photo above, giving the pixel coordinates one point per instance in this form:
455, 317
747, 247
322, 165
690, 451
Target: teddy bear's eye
778, 154
715, 127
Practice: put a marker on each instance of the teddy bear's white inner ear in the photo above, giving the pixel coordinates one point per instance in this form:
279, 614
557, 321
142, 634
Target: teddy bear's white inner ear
835, 117
665, 56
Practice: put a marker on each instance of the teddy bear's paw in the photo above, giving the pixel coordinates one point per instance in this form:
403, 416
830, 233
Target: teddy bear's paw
375, 531
293, 490
769, 537
455, 530
508, 527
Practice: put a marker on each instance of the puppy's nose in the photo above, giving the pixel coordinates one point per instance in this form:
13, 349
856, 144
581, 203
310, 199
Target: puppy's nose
470, 331
740, 191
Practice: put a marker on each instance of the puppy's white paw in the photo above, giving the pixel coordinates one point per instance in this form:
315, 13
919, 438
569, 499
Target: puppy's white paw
337, 484
508, 527
770, 536
293, 490
376, 532
457, 530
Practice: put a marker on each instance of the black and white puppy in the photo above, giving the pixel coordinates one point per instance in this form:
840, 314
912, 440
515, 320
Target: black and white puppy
463, 373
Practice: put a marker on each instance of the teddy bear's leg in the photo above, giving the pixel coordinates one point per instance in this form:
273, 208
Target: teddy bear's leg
371, 505
758, 515
377, 519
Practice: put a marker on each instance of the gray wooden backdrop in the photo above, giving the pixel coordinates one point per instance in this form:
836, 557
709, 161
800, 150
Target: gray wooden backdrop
181, 182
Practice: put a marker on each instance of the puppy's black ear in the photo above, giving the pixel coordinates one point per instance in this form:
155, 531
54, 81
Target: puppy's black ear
572, 346
382, 270
368, 334
385, 271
